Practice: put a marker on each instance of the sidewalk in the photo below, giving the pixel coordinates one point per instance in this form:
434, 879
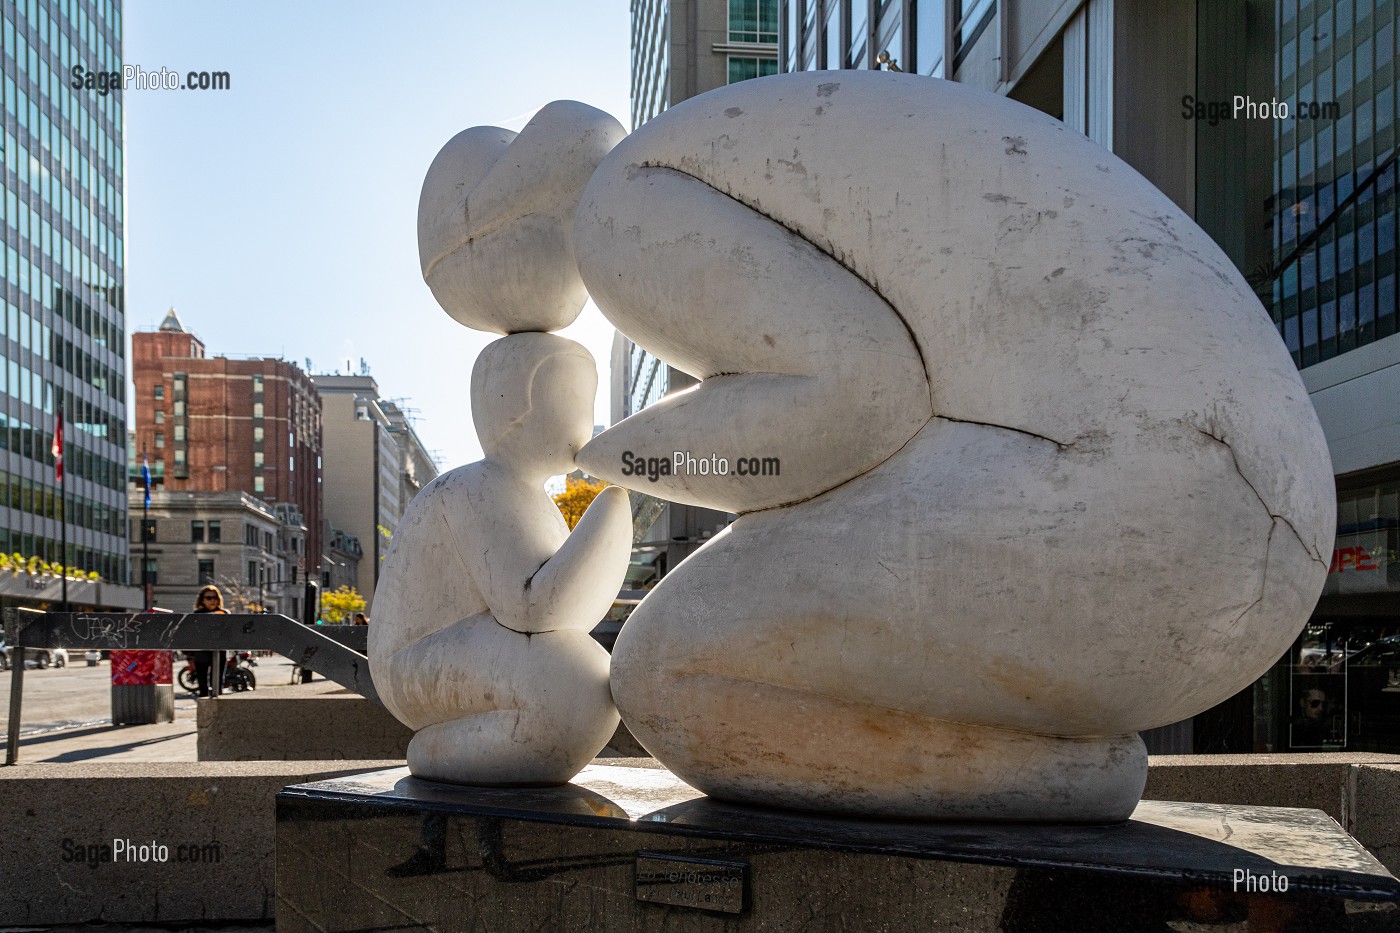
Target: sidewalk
60, 722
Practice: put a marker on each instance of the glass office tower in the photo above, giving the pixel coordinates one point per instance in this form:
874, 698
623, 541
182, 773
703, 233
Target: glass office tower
61, 312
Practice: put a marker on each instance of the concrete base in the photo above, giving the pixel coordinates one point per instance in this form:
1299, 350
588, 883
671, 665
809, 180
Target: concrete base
60, 866
320, 721
633, 849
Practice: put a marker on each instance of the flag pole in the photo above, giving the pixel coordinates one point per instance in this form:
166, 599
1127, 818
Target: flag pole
62, 503
145, 524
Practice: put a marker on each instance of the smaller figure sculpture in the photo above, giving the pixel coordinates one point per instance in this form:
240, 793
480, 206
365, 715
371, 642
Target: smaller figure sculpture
485, 602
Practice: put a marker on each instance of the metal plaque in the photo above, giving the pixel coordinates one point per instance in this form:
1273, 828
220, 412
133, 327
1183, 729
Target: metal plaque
703, 884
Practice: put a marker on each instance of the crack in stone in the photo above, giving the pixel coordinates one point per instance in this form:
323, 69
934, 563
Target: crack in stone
1263, 577
1062, 445
1234, 458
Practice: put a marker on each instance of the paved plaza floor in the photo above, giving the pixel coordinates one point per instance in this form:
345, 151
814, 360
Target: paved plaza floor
67, 716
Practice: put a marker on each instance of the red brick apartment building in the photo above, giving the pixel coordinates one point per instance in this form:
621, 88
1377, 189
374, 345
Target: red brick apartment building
219, 424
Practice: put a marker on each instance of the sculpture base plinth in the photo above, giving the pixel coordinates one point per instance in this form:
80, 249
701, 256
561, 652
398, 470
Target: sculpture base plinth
633, 848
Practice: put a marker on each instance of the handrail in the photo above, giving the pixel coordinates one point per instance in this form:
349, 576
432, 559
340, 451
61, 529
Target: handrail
336, 652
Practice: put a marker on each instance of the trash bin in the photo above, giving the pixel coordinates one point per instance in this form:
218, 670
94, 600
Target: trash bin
142, 687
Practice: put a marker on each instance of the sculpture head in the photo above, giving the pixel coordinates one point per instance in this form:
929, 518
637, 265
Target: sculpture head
495, 218
532, 401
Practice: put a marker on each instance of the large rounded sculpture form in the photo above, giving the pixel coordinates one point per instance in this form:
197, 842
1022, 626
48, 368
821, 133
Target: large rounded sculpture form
1043, 473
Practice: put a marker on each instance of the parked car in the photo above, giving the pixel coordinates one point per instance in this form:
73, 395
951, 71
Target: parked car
38, 657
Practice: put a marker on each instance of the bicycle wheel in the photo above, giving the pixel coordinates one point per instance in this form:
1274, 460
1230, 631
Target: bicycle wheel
187, 679
240, 680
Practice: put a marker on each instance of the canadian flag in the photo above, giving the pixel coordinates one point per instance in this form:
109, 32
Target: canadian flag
58, 447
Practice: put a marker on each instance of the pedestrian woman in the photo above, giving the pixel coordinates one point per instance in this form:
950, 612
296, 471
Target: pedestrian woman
208, 600
361, 619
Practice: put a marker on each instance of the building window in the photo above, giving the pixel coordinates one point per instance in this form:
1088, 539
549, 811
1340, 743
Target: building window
928, 37
206, 572
257, 385
742, 67
179, 432
257, 435
159, 392
972, 17
151, 571
259, 485
252, 573
160, 416
257, 458
216, 533
860, 28
831, 36
179, 408
257, 409
753, 21
197, 532
160, 440
179, 458
148, 529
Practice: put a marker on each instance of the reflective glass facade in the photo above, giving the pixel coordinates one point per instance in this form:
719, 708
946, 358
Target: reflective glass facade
651, 59
1333, 287
62, 327
835, 34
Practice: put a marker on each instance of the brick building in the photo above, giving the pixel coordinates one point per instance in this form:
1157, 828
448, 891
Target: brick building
216, 424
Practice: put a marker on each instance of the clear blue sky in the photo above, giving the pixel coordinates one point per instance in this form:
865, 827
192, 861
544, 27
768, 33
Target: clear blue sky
278, 216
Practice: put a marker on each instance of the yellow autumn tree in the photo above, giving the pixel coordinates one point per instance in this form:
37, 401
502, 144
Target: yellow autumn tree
340, 605
578, 494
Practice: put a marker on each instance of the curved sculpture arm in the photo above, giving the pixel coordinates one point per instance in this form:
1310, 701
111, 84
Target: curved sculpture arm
576, 586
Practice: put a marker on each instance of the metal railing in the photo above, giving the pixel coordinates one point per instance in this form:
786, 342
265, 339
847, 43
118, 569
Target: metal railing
337, 653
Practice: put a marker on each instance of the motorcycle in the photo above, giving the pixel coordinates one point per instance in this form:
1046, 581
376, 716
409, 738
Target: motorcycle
238, 674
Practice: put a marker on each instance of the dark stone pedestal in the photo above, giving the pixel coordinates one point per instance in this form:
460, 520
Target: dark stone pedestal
634, 849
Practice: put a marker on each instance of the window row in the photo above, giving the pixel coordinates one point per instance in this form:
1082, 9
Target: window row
34, 498
835, 34
111, 567
20, 437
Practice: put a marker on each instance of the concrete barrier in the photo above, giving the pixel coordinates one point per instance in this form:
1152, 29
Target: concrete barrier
1359, 790
307, 722
1374, 813
61, 822
144, 842
316, 722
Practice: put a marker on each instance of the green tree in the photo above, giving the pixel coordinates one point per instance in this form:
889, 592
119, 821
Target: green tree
339, 606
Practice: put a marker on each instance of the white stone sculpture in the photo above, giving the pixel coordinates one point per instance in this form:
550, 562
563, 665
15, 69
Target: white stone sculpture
1047, 476
485, 602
